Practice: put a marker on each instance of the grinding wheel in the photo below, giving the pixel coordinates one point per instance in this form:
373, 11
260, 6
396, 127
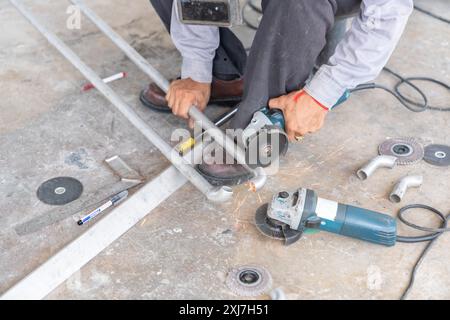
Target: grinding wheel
60, 191
437, 155
407, 150
275, 229
266, 147
249, 281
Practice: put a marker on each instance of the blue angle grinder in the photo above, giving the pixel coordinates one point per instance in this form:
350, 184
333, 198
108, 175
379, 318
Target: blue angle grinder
265, 139
291, 214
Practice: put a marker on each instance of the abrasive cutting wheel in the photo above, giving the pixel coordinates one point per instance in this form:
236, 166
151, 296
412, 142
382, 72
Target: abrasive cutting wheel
437, 155
60, 191
407, 150
266, 147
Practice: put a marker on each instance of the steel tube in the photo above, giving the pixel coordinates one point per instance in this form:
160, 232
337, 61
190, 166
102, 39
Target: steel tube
403, 185
180, 163
374, 164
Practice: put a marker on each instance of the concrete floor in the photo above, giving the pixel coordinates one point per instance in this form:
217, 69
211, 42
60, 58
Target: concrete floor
185, 247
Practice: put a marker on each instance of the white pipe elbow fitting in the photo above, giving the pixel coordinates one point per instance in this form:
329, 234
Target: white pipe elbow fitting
403, 185
378, 162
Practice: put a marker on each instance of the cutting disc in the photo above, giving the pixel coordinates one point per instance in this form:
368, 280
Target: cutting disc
275, 229
437, 155
266, 147
407, 150
60, 191
249, 281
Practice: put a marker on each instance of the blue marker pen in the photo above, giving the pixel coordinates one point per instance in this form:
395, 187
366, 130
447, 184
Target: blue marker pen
112, 202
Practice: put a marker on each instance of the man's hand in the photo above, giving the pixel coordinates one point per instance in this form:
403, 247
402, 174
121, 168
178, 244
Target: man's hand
302, 113
186, 93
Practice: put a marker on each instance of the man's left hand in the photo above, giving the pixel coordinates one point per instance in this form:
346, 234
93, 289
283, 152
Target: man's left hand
302, 113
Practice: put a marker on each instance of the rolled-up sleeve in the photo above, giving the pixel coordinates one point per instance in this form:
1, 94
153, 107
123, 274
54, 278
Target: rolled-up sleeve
197, 45
364, 51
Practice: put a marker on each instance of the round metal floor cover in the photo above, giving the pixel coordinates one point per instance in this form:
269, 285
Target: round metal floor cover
437, 155
60, 191
249, 281
407, 150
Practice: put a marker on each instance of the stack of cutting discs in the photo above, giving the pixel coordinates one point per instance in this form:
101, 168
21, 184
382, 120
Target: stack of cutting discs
410, 151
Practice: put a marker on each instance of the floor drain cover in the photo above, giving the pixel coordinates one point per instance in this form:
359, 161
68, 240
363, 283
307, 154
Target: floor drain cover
407, 150
437, 155
60, 191
249, 281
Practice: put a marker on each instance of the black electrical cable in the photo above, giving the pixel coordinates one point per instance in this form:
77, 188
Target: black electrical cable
406, 102
436, 233
431, 14
249, 4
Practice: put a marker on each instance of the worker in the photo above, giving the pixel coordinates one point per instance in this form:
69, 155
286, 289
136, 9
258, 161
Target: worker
277, 71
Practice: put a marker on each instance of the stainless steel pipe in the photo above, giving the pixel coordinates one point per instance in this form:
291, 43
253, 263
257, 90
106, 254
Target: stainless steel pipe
374, 164
403, 185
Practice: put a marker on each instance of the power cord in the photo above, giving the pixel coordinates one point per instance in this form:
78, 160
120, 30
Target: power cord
435, 232
432, 237
405, 101
431, 14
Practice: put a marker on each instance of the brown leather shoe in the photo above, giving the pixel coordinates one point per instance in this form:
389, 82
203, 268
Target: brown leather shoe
223, 174
222, 92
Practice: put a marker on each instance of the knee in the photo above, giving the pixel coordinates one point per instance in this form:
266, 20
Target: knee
299, 7
309, 14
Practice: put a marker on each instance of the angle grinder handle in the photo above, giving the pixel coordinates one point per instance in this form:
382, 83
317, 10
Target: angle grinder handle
357, 222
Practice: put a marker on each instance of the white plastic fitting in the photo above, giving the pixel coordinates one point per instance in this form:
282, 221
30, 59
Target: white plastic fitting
403, 185
378, 162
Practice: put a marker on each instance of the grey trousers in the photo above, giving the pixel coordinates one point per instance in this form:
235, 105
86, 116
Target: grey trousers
291, 36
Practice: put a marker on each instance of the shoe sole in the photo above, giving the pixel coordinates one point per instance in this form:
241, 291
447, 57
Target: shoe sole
225, 181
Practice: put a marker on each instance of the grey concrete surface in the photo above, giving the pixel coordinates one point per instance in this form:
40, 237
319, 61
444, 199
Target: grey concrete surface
185, 248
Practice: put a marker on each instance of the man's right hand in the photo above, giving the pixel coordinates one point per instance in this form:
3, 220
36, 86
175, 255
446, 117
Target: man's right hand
186, 93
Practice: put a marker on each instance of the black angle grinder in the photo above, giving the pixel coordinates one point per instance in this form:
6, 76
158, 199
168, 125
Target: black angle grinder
290, 214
